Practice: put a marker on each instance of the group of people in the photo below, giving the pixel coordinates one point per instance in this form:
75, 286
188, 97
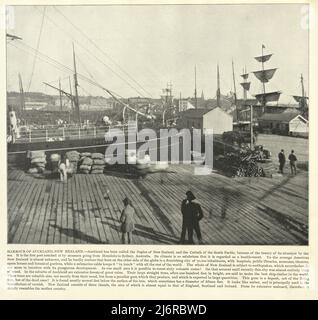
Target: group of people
292, 162
191, 215
191, 210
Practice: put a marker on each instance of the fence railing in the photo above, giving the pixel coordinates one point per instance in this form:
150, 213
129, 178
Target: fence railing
64, 133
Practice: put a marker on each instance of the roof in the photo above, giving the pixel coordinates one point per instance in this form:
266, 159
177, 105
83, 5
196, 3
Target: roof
282, 116
199, 113
195, 113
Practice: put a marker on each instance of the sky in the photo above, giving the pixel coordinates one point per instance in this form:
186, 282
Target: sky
137, 50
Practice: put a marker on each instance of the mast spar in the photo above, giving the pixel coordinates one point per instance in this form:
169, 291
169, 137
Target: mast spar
264, 75
22, 101
245, 84
302, 100
61, 105
235, 97
218, 91
72, 105
195, 87
76, 101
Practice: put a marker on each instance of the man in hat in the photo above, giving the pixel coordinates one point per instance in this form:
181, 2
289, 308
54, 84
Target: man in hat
282, 160
292, 160
191, 214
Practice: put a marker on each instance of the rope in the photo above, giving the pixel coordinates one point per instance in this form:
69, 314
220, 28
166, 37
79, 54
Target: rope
93, 55
37, 48
103, 52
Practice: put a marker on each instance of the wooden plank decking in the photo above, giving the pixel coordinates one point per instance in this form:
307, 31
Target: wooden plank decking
236, 210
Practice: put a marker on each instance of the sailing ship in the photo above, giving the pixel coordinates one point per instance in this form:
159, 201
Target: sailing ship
84, 140
302, 100
264, 76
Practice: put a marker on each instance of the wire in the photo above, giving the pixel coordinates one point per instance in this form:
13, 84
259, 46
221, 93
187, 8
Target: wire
37, 48
93, 55
58, 65
103, 52
62, 67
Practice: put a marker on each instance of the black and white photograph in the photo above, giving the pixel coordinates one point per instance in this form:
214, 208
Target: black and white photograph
157, 124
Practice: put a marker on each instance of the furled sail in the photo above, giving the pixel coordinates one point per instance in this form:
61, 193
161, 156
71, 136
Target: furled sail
244, 76
299, 98
264, 75
263, 58
246, 85
268, 97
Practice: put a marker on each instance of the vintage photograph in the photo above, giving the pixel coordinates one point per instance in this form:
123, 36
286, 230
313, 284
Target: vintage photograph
158, 124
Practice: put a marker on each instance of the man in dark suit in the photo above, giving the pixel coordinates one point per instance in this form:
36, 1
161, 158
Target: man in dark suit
282, 160
292, 159
191, 214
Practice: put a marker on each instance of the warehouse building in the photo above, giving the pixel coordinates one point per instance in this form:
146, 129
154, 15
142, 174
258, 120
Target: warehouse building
285, 123
215, 119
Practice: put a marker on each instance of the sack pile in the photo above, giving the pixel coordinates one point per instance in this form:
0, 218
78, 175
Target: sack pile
37, 161
54, 161
86, 162
73, 157
99, 163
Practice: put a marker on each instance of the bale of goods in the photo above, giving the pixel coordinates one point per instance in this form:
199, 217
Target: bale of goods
98, 167
97, 171
36, 154
55, 157
98, 164
96, 155
36, 161
86, 154
73, 157
85, 168
87, 161
35, 170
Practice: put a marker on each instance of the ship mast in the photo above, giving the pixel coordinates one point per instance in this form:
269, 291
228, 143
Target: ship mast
22, 101
264, 91
302, 86
264, 76
195, 87
235, 97
76, 101
302, 100
72, 105
61, 106
218, 91
245, 84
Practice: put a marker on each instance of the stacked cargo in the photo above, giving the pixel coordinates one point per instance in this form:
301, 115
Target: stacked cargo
86, 162
99, 163
37, 160
73, 157
239, 165
54, 162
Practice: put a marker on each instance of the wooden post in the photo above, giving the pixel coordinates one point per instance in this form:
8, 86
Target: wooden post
79, 132
46, 135
136, 121
251, 127
30, 136
63, 133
